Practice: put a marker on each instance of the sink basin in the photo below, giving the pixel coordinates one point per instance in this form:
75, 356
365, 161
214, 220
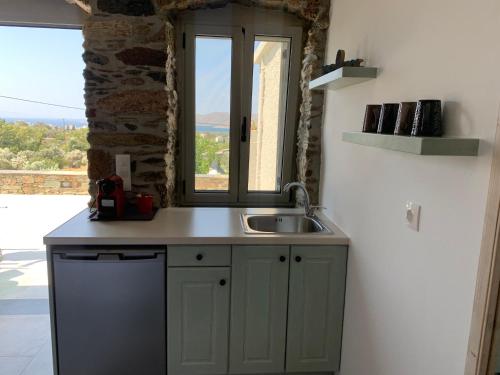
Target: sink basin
282, 223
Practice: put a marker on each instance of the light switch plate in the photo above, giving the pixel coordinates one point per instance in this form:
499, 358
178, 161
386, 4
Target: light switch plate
413, 215
123, 170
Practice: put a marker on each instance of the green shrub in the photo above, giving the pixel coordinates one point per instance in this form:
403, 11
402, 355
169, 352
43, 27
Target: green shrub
211, 149
41, 146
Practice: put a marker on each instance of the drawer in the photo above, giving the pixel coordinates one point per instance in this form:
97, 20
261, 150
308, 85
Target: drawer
192, 256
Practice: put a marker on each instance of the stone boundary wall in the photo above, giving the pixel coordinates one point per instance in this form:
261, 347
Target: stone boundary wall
208, 182
43, 182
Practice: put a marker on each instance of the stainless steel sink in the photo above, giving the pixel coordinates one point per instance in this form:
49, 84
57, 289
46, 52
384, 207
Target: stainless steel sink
283, 223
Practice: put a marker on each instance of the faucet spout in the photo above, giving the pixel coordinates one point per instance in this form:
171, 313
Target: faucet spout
301, 186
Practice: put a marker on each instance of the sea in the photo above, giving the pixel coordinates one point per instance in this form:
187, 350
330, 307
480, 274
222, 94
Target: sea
82, 123
210, 128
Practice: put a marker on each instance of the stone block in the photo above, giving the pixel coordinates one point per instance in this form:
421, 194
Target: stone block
158, 76
95, 58
51, 184
152, 176
142, 56
125, 139
102, 126
127, 7
134, 81
131, 101
90, 76
100, 164
130, 127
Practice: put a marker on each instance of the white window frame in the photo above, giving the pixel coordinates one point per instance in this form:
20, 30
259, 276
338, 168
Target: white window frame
188, 156
242, 25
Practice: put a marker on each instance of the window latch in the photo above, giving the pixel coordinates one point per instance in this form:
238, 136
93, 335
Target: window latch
244, 129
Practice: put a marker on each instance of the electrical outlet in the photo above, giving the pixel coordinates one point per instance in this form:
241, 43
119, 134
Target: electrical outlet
123, 170
413, 215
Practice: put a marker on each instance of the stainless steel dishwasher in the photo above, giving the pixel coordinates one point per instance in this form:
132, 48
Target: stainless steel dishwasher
109, 308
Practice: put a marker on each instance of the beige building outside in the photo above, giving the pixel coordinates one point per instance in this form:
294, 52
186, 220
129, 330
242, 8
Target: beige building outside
271, 63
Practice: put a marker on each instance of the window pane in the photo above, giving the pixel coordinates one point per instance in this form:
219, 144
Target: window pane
212, 105
269, 94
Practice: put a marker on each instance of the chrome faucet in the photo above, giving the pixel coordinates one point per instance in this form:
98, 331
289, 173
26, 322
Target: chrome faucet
308, 209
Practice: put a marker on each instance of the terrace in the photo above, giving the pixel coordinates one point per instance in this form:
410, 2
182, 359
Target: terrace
25, 344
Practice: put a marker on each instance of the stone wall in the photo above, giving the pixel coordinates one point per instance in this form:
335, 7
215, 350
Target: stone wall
43, 182
131, 97
125, 97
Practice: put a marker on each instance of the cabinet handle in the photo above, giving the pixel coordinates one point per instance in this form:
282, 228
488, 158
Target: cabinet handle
282, 258
199, 257
222, 282
298, 259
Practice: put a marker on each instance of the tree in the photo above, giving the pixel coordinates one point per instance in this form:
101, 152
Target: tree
6, 157
41, 146
75, 159
210, 150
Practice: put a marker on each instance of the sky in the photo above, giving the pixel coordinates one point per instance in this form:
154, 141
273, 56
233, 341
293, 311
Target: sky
213, 75
44, 65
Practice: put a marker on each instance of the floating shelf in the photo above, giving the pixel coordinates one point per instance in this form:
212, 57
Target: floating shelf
343, 77
416, 145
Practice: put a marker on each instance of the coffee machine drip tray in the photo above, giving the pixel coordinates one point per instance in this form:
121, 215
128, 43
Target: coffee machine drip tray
130, 214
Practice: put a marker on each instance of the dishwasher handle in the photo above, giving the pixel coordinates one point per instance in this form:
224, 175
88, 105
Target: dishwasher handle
109, 256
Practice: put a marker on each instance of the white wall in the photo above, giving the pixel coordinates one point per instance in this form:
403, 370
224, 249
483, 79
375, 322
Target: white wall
409, 295
47, 13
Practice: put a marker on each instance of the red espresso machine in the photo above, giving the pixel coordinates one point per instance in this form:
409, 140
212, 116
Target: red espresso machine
110, 197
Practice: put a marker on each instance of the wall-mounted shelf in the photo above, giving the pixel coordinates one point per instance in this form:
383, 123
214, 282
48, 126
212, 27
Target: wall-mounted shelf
343, 77
416, 145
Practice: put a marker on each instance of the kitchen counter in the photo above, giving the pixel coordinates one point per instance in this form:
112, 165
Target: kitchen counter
182, 225
189, 265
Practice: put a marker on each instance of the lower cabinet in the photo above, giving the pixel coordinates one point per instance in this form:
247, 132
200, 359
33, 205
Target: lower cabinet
286, 314
230, 309
258, 309
315, 308
198, 320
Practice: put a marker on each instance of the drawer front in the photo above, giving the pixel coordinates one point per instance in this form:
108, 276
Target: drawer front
193, 256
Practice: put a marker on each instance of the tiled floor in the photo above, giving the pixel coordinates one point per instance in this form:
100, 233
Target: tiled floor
25, 345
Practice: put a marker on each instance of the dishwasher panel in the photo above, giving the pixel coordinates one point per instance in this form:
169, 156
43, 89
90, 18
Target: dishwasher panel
110, 311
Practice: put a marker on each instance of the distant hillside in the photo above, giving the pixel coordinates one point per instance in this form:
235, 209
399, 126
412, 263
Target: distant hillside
57, 122
214, 118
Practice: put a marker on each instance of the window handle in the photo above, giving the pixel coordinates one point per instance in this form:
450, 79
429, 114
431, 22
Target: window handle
244, 129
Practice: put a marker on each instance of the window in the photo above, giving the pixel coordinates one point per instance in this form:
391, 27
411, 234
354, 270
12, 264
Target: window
212, 144
239, 85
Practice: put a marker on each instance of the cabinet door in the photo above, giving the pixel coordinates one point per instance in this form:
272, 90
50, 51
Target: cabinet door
316, 308
258, 309
198, 319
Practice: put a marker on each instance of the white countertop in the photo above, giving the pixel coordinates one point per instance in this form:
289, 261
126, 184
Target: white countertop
182, 225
